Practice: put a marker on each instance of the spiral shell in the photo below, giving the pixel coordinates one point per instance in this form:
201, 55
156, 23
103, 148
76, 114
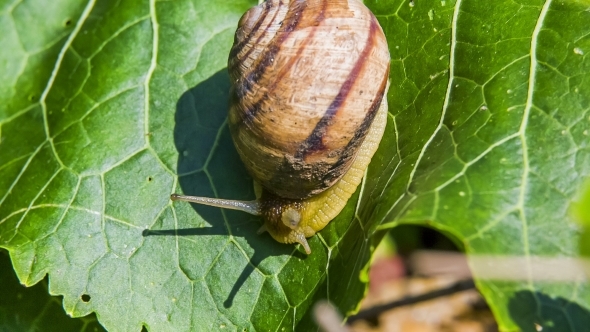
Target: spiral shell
308, 77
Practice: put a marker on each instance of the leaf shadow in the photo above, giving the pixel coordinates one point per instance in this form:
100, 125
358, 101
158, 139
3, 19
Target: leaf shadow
535, 311
208, 165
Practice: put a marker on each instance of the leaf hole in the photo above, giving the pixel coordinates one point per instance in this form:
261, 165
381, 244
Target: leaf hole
85, 298
32, 97
67, 22
150, 179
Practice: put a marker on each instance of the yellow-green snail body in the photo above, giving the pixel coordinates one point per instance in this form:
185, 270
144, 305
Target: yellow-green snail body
308, 109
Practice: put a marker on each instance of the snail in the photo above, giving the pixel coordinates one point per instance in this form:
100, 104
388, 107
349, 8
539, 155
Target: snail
307, 110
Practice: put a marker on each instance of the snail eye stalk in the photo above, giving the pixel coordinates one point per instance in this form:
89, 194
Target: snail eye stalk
251, 207
291, 218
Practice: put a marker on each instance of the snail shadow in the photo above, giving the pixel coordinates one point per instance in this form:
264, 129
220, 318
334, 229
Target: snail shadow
208, 165
535, 311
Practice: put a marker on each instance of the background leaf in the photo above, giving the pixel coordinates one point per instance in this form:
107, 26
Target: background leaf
110, 107
32, 309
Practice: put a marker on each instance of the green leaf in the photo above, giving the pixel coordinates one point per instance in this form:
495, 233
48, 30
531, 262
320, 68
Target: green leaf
491, 108
581, 206
32, 309
112, 106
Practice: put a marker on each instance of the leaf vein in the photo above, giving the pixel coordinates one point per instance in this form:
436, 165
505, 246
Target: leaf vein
153, 63
21, 173
59, 60
447, 95
522, 134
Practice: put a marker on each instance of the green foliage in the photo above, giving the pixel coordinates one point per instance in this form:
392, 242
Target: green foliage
580, 211
109, 107
32, 309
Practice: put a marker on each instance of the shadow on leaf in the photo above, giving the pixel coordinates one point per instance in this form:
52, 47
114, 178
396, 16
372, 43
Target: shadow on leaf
208, 165
535, 311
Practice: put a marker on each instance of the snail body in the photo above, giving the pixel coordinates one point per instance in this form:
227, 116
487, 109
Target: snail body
307, 109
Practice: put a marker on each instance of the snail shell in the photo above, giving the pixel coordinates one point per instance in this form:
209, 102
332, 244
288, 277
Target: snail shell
307, 80
307, 109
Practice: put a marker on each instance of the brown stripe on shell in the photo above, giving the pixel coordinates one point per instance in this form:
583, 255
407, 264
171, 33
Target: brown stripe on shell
314, 141
360, 134
254, 31
285, 69
235, 50
266, 58
250, 113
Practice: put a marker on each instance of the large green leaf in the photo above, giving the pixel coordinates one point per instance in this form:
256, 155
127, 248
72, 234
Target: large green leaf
112, 106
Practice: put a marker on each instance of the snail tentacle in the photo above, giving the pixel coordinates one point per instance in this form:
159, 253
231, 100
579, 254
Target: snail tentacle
251, 207
303, 241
